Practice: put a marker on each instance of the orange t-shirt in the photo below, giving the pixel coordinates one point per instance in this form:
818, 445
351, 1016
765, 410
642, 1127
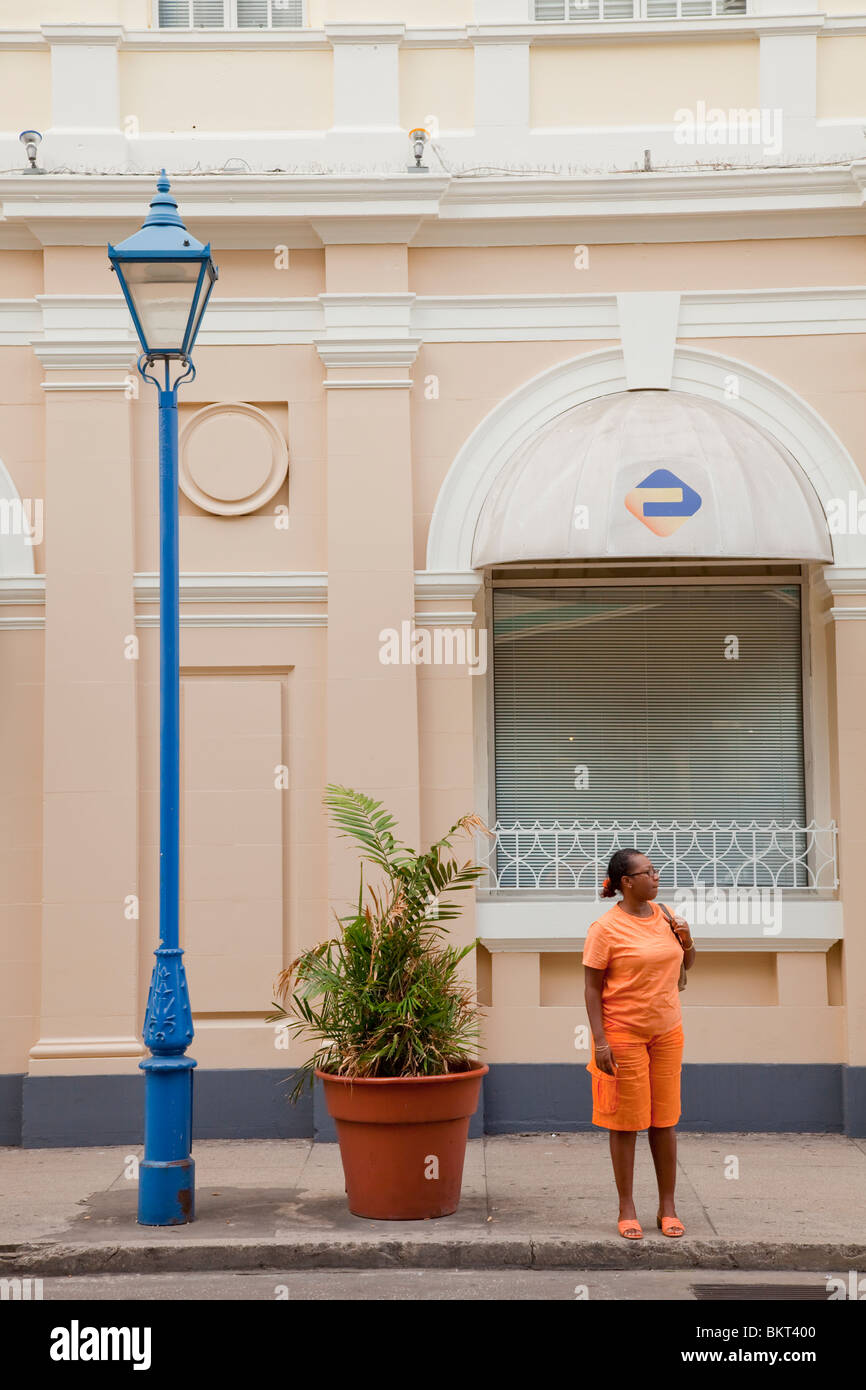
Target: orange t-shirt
641, 960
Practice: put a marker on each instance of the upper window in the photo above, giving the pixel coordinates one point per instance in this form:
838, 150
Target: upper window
231, 14
559, 10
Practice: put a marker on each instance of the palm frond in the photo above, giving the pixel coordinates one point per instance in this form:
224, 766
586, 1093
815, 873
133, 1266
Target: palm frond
385, 997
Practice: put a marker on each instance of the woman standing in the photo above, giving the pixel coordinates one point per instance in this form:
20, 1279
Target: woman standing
632, 962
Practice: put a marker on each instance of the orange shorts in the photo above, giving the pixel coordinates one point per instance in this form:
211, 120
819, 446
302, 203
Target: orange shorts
646, 1088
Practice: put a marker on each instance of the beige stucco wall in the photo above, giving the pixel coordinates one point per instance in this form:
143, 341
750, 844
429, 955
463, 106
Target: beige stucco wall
840, 91
620, 84
29, 14
226, 90
25, 90
415, 13
704, 265
438, 83
257, 859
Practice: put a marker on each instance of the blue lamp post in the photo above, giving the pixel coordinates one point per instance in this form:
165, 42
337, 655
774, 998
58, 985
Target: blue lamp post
167, 278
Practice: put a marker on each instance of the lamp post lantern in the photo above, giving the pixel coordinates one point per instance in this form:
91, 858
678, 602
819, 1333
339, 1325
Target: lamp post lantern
167, 277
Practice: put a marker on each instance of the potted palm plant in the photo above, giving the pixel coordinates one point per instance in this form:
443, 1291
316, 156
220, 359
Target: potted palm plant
396, 1024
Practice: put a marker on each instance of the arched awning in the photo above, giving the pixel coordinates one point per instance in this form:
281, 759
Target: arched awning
648, 474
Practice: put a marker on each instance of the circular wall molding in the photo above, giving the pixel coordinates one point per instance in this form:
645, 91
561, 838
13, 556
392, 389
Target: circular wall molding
233, 459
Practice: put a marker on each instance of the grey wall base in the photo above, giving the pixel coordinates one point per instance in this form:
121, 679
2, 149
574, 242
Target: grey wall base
81, 1111
760, 1097
517, 1097
11, 1094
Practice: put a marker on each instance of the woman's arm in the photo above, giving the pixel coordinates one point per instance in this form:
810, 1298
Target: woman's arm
593, 980
684, 934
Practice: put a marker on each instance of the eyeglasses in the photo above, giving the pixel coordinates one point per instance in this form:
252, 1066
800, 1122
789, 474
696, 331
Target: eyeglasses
653, 873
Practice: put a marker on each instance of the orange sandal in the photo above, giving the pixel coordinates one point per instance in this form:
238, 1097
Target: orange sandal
629, 1228
670, 1225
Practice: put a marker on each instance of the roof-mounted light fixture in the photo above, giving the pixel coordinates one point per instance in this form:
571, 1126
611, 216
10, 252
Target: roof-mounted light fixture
418, 139
31, 140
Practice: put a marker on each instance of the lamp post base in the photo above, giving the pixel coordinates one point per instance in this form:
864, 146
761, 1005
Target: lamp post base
166, 1192
166, 1174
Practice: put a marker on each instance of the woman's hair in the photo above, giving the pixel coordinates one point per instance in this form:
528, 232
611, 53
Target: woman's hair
619, 865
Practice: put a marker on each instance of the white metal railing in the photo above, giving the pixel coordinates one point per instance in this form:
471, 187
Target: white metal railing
556, 855
229, 14
561, 11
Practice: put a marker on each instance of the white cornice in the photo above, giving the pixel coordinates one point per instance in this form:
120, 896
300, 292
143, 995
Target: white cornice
84, 385
374, 350
367, 330
86, 356
365, 33
89, 34
374, 329
366, 230
371, 384
22, 39
20, 321
703, 314
255, 586
237, 40
439, 618
242, 586
81, 209
259, 320
27, 588
533, 33
87, 1047
447, 584
239, 620
850, 614
627, 30
842, 579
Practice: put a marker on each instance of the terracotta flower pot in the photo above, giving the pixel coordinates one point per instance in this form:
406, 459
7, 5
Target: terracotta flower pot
403, 1140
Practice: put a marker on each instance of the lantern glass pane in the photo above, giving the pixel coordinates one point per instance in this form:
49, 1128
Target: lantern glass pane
207, 286
163, 293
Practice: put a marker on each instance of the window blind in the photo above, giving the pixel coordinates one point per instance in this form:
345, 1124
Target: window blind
552, 11
186, 14
632, 683
274, 14
221, 14
287, 14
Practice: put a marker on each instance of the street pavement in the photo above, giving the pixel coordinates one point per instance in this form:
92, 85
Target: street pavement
440, 1286
530, 1203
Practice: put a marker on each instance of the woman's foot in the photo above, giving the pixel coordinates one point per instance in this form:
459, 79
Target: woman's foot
669, 1223
628, 1224
630, 1228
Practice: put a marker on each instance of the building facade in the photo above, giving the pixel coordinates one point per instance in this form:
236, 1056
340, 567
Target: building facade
528, 481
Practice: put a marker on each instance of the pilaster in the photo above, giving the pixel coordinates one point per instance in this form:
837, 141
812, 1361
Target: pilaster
372, 710
85, 94
847, 587
90, 1008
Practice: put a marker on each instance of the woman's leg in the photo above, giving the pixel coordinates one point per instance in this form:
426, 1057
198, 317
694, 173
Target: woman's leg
665, 1067
622, 1143
663, 1146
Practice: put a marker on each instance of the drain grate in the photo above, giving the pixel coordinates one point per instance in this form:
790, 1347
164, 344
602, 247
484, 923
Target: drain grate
770, 1293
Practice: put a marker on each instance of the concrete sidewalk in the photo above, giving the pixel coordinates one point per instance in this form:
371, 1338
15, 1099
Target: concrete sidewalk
529, 1201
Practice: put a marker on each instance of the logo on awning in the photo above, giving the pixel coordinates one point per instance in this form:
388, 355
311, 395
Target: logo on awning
663, 502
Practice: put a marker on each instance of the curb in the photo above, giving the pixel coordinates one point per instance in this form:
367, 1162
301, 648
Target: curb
547, 1253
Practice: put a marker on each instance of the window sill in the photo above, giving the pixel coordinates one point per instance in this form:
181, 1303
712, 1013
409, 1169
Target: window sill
530, 923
